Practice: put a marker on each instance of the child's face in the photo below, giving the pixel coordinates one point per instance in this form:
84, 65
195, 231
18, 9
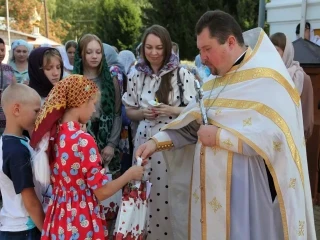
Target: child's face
26, 113
93, 54
87, 109
52, 70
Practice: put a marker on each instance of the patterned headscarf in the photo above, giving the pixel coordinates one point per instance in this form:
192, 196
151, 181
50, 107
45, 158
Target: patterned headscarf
105, 121
72, 92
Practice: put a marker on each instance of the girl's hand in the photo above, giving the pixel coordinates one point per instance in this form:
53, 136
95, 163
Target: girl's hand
107, 154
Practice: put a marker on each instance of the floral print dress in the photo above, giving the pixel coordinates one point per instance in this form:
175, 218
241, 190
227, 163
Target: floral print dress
74, 212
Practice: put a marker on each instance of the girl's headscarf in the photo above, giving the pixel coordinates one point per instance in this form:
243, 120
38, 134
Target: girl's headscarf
294, 69
65, 59
72, 92
105, 121
38, 80
126, 58
112, 56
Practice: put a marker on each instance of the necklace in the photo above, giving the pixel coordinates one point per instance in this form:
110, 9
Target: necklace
215, 80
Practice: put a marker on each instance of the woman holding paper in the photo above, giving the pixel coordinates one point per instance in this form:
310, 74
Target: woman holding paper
156, 94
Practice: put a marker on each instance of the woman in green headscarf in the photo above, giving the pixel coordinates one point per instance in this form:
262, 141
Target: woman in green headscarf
105, 126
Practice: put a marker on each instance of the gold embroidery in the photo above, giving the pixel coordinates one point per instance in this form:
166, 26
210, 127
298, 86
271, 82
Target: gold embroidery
228, 143
228, 191
196, 196
247, 122
215, 205
301, 228
218, 111
251, 74
218, 136
161, 146
240, 146
215, 149
203, 192
277, 146
190, 206
268, 163
292, 183
267, 112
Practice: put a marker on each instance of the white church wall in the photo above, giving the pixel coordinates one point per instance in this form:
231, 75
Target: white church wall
284, 16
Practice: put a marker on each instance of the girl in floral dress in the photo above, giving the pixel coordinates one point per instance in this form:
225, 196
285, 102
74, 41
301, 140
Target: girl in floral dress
78, 178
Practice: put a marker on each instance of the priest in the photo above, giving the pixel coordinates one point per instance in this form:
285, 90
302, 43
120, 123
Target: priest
245, 175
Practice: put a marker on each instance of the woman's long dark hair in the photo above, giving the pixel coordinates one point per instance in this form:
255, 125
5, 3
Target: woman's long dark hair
165, 86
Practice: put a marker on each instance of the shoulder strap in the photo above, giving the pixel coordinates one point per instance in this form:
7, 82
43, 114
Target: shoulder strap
180, 85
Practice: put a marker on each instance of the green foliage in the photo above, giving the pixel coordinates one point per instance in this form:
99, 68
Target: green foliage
80, 14
118, 23
122, 22
180, 18
247, 14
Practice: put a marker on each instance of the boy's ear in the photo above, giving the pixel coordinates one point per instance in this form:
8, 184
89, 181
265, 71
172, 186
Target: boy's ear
16, 109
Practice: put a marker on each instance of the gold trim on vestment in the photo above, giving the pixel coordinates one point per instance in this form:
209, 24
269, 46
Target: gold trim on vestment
249, 54
228, 198
203, 192
240, 146
190, 206
218, 137
261, 153
267, 112
269, 165
252, 74
161, 146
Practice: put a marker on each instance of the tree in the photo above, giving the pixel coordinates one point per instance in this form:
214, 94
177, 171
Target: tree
80, 15
118, 23
179, 17
247, 14
22, 11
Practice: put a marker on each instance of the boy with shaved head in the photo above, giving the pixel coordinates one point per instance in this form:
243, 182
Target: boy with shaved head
21, 216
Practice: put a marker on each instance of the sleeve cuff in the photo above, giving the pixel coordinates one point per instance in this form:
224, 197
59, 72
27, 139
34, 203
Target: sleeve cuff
228, 141
111, 144
162, 141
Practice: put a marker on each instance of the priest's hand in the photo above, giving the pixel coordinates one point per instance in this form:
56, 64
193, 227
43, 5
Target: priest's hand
207, 135
146, 150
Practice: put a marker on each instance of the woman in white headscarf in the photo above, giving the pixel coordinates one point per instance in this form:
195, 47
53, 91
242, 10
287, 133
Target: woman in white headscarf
67, 67
301, 80
20, 51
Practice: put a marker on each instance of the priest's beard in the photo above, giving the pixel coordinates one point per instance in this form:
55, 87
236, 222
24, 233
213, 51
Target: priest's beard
214, 70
